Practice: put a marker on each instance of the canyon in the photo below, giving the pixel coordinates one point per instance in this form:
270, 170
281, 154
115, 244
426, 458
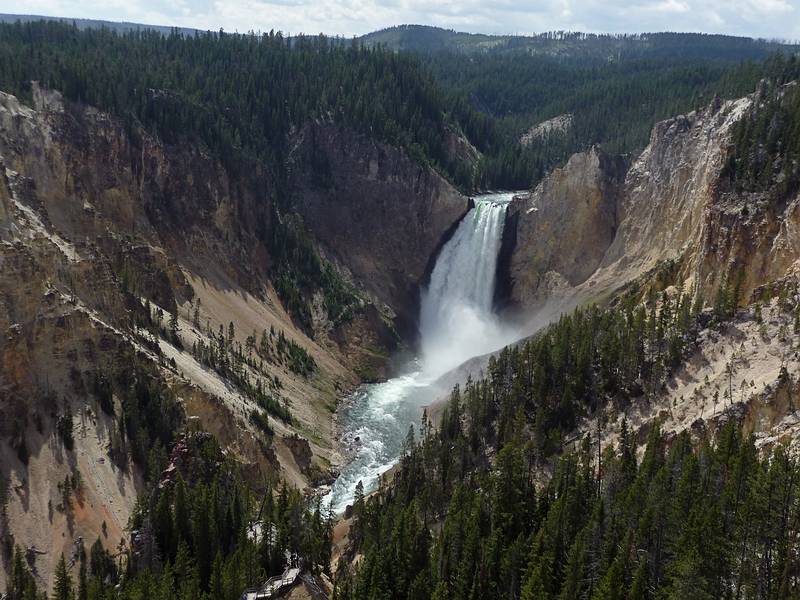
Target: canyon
100, 222
670, 221
671, 210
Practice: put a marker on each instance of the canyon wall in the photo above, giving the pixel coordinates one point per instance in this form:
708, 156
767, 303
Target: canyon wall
121, 255
560, 232
673, 210
375, 210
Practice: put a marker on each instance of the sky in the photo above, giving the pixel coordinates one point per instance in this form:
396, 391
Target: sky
772, 19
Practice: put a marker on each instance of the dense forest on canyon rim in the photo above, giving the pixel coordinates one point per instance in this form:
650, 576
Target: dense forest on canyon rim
468, 514
245, 94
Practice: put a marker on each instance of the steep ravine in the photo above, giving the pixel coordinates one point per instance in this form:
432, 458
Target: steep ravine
671, 211
457, 322
594, 231
99, 223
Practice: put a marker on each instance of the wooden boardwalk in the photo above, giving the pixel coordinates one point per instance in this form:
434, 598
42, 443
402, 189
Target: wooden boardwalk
273, 586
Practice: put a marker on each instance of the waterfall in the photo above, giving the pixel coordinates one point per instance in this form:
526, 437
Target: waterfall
456, 323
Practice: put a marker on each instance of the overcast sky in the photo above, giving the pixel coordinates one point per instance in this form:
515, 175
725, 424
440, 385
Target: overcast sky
755, 18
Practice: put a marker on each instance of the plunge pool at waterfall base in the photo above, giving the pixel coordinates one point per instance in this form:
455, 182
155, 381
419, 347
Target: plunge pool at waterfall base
457, 323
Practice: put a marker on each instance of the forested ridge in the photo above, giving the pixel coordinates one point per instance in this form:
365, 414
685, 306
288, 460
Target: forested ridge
237, 93
615, 87
708, 522
714, 520
766, 143
246, 93
611, 103
574, 44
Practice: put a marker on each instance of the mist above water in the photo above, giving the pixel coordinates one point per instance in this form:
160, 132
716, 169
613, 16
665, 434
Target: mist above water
456, 323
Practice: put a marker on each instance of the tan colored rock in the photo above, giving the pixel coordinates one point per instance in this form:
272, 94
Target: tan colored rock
674, 206
558, 125
96, 220
564, 227
670, 188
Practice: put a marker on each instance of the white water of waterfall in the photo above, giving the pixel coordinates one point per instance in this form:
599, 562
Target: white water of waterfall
456, 324
456, 318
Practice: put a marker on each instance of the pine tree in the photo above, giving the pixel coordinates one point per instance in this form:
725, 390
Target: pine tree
612, 586
62, 588
215, 587
162, 525
173, 325
202, 536
574, 570
83, 589
538, 580
21, 584
638, 589
358, 514
182, 526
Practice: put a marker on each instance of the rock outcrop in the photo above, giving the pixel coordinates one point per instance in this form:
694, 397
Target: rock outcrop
674, 210
104, 226
671, 190
374, 209
554, 126
560, 232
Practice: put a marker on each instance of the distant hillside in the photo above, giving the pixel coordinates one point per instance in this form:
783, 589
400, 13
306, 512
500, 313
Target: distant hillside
614, 86
565, 44
119, 26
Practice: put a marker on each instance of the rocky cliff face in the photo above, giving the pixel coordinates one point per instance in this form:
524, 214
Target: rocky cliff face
564, 227
105, 228
375, 210
673, 211
591, 231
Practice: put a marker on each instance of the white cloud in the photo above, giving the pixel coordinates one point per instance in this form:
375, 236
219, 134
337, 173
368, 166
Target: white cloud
758, 18
667, 6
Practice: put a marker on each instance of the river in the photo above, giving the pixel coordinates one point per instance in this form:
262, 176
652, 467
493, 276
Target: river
457, 322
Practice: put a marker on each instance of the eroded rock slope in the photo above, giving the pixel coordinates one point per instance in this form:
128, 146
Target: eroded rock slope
673, 211
135, 270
